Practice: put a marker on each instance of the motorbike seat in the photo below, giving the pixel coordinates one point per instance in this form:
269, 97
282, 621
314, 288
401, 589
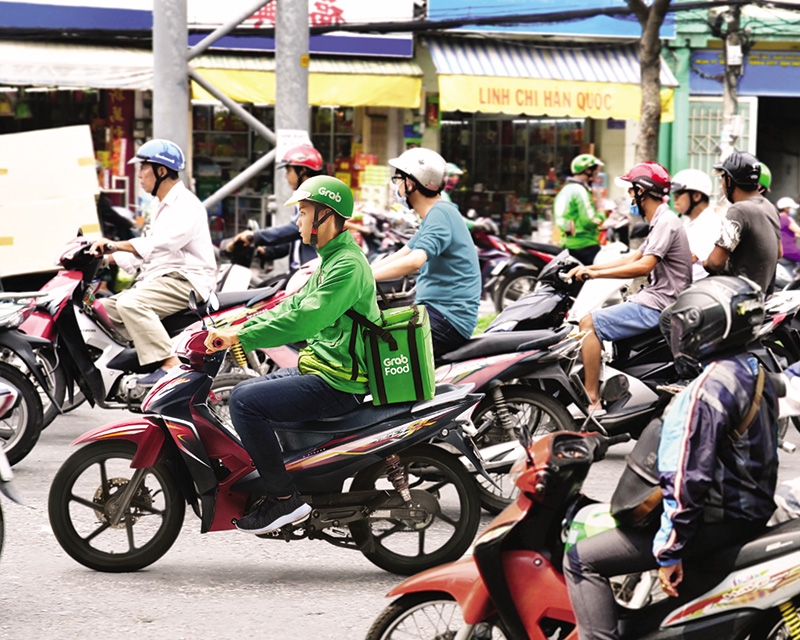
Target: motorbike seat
492, 344
177, 322
779, 540
541, 247
295, 436
249, 297
635, 343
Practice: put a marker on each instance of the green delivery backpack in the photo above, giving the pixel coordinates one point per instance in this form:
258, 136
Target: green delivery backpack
399, 354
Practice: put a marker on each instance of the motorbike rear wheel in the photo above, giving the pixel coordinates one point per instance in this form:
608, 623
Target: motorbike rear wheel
20, 430
83, 494
772, 626
425, 616
445, 534
532, 410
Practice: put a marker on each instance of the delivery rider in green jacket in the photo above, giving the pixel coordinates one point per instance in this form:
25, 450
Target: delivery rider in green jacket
575, 212
330, 379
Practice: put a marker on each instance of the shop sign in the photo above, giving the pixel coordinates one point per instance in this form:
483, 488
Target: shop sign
210, 14
207, 15
621, 26
108, 15
555, 98
765, 73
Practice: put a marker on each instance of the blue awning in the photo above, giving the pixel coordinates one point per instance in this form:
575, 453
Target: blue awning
477, 57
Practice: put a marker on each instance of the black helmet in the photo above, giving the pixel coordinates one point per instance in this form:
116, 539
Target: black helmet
714, 315
743, 168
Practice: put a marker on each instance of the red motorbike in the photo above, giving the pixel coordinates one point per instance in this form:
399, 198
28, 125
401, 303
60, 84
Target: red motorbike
117, 504
513, 586
87, 350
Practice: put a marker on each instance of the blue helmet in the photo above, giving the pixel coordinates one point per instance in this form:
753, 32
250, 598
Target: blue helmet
161, 152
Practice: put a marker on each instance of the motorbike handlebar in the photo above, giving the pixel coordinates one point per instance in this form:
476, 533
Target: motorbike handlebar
618, 439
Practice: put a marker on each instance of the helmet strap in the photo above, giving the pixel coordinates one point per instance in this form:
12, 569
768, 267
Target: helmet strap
729, 187
638, 194
159, 179
316, 223
692, 204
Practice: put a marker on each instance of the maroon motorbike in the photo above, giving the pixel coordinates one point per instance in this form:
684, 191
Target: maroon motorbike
117, 504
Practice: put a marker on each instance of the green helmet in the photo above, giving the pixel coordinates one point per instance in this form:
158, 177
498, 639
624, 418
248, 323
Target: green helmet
326, 190
765, 179
584, 161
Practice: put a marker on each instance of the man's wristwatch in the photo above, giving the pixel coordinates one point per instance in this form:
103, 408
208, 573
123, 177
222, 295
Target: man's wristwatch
110, 247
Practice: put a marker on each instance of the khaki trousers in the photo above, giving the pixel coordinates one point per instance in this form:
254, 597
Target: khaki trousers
141, 308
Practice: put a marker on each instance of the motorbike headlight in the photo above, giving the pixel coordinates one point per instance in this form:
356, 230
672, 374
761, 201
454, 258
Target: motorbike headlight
12, 318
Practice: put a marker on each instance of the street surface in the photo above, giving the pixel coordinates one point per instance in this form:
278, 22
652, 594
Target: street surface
219, 585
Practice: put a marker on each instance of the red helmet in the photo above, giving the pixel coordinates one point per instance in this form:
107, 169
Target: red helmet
650, 177
303, 156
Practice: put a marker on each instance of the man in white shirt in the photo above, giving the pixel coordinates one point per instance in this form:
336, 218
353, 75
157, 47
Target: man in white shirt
174, 257
691, 194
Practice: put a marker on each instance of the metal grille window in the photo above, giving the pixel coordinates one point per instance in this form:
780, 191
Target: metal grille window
705, 126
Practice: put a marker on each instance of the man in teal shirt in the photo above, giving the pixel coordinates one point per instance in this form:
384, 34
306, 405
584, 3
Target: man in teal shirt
330, 379
449, 282
575, 212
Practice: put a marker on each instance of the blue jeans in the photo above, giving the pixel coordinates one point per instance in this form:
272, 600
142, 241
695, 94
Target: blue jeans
283, 396
446, 337
624, 321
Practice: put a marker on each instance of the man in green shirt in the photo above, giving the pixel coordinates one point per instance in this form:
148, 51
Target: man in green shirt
330, 379
575, 212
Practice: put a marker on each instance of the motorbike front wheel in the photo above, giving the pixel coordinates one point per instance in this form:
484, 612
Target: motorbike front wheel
529, 409
20, 429
425, 616
221, 390
443, 534
87, 490
509, 290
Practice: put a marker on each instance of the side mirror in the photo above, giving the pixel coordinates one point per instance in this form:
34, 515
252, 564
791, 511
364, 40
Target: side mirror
212, 304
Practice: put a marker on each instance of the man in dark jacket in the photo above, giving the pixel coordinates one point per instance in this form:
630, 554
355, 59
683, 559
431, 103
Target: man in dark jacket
717, 457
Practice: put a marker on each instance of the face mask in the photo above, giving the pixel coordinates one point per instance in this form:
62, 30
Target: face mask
635, 210
402, 201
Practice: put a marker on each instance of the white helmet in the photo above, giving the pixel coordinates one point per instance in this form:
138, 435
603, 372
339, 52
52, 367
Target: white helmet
692, 180
786, 203
425, 166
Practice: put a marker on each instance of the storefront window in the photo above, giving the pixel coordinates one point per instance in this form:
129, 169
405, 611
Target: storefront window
332, 132
509, 159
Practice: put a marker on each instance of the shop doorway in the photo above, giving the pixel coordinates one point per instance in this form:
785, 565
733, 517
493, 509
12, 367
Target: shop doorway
779, 144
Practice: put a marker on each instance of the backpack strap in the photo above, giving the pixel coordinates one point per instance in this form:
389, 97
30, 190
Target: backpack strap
735, 435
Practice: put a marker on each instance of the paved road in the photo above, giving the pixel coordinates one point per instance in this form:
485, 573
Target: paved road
221, 585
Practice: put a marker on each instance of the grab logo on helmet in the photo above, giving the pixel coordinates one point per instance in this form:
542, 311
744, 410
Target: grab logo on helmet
329, 194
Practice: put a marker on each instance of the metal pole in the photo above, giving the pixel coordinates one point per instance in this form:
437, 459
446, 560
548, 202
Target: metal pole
291, 80
733, 71
240, 180
170, 80
224, 30
259, 127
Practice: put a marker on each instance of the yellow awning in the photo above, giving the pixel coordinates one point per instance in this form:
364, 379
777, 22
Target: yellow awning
353, 83
516, 78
